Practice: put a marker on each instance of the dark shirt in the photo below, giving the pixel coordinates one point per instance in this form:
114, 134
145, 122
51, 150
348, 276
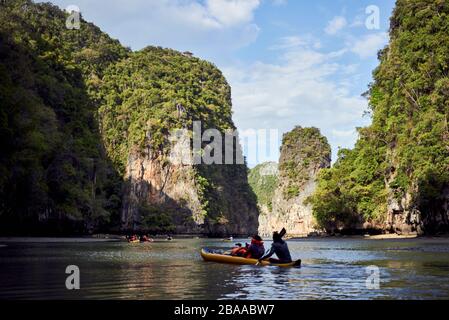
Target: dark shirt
256, 250
281, 251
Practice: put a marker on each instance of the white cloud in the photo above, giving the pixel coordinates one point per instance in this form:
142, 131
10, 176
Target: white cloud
232, 12
300, 89
335, 25
208, 26
369, 45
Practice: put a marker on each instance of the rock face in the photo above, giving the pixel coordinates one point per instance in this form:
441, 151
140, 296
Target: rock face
407, 215
171, 189
149, 99
304, 153
174, 192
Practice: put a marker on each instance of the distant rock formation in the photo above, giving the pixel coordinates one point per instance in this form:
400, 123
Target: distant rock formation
282, 190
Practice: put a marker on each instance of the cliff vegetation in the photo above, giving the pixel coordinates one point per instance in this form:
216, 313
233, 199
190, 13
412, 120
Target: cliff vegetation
397, 176
85, 125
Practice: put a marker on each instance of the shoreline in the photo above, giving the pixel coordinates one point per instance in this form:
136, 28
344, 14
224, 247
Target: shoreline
74, 239
116, 238
375, 237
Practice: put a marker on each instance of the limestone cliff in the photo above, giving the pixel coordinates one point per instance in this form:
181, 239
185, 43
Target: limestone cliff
408, 214
149, 99
304, 153
213, 200
396, 178
55, 178
155, 189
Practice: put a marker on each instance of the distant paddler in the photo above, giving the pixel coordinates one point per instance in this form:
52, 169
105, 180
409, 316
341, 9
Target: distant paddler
146, 238
133, 239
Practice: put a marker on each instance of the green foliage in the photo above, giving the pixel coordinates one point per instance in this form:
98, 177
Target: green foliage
74, 104
154, 220
203, 187
347, 190
140, 95
52, 167
304, 150
263, 185
226, 195
291, 191
406, 149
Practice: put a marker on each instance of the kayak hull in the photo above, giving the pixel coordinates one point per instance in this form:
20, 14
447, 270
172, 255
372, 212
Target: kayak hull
209, 255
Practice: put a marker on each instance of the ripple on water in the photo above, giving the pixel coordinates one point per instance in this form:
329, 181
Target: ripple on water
332, 269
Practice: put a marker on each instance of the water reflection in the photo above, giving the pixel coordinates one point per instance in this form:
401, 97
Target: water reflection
332, 269
262, 282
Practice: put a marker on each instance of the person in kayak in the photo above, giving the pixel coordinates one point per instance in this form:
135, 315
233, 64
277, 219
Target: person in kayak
280, 248
256, 249
238, 250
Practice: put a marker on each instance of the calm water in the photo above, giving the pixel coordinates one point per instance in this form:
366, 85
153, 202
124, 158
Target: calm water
332, 269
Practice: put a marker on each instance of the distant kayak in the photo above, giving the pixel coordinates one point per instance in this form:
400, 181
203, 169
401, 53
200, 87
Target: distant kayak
134, 241
210, 255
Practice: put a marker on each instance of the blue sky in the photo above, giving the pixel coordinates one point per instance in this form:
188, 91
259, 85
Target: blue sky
289, 62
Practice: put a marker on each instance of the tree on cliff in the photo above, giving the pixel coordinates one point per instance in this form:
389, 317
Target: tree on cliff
263, 179
403, 156
53, 172
304, 152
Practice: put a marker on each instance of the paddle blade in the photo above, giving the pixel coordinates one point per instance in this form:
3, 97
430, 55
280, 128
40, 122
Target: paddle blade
283, 232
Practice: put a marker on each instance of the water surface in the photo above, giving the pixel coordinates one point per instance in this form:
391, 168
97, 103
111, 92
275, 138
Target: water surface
332, 269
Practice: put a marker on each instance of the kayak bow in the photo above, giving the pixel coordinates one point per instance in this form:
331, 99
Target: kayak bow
209, 255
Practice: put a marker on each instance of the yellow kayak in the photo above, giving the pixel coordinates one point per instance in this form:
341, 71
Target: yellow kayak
134, 241
209, 255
